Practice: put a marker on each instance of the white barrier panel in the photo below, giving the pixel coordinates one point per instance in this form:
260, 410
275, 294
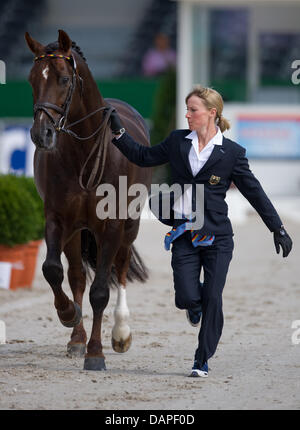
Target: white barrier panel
5, 274
2, 333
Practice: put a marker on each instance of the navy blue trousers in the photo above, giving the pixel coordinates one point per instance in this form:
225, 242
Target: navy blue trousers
187, 263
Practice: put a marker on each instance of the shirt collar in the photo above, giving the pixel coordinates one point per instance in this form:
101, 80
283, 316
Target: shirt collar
216, 140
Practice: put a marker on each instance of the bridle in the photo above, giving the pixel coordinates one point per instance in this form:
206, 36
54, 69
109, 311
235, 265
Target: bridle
60, 124
63, 111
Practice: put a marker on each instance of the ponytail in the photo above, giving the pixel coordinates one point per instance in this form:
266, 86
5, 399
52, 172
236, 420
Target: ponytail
223, 123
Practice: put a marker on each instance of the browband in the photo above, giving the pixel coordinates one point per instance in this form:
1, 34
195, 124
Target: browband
41, 57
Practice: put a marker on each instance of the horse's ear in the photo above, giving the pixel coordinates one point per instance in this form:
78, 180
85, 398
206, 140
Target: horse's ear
36, 47
65, 43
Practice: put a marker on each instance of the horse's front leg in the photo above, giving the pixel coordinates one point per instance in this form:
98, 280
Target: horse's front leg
77, 281
68, 312
99, 297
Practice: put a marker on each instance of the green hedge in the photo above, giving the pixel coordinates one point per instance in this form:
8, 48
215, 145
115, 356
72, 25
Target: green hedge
21, 211
164, 109
28, 184
164, 119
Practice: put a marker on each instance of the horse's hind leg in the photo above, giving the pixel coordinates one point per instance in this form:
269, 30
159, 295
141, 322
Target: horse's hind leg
77, 280
121, 335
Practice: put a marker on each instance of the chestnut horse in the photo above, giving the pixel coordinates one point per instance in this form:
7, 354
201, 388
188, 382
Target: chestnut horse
73, 156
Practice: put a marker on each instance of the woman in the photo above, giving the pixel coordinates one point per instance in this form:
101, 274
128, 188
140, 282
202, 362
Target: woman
202, 155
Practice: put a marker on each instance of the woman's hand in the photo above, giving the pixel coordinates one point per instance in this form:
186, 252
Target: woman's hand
115, 123
281, 238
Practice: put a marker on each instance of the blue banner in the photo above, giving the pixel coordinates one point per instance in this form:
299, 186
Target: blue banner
270, 136
16, 150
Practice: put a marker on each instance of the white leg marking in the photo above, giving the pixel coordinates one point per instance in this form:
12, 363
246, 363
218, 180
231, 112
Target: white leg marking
121, 330
45, 72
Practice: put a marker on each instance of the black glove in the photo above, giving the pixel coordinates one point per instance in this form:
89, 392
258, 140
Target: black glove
281, 238
115, 122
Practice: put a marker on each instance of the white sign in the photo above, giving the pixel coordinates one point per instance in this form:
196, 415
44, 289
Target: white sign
5, 274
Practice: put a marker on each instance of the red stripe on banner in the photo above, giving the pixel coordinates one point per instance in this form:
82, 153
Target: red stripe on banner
269, 117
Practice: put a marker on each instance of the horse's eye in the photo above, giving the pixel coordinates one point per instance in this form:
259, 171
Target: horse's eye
64, 80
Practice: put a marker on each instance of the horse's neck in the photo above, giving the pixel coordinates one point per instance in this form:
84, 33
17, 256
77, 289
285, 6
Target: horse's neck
92, 98
91, 101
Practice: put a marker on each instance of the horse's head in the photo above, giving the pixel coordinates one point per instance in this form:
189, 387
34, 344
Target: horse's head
53, 79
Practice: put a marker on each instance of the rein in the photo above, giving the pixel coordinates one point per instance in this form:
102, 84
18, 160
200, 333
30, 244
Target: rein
60, 126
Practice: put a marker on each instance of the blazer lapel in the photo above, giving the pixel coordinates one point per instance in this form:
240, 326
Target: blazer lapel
185, 146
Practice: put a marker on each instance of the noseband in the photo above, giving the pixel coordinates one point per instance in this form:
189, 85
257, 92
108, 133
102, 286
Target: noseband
60, 125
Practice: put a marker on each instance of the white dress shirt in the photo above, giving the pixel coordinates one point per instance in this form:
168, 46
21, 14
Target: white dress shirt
197, 160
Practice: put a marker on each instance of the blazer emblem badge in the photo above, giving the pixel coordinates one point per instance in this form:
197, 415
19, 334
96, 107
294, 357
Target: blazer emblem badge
214, 180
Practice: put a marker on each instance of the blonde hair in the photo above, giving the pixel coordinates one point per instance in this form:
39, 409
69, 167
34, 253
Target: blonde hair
211, 99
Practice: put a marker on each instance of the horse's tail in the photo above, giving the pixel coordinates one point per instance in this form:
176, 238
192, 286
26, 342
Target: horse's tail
136, 271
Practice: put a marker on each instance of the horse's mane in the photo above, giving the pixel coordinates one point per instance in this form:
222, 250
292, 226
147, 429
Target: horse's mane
54, 46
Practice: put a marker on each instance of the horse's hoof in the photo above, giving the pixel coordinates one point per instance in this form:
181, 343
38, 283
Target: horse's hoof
75, 320
76, 349
94, 363
121, 345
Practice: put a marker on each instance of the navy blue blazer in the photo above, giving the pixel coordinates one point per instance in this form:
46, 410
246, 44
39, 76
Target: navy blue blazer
227, 163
